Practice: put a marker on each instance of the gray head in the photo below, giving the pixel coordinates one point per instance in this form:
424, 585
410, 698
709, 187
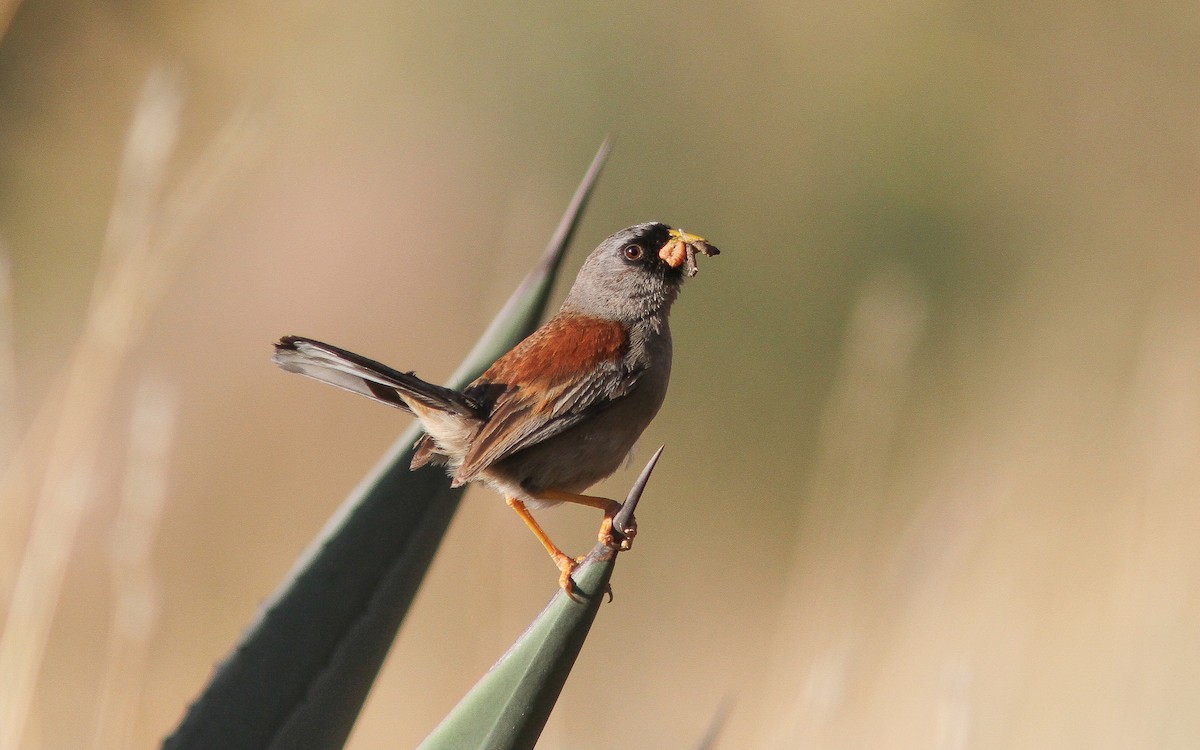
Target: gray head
636, 273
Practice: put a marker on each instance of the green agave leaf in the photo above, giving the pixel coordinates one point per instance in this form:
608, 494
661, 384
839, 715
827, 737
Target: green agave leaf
299, 676
508, 708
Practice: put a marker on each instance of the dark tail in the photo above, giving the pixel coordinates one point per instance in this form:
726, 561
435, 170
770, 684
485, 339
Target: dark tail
366, 377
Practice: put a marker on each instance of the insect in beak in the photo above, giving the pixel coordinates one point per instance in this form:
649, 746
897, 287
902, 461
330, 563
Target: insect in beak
682, 249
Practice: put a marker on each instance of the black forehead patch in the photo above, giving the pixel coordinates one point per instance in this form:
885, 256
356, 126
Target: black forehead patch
653, 235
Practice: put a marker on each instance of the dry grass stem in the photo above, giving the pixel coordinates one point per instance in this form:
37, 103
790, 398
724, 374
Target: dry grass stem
8, 370
66, 483
846, 484
135, 613
8, 9
143, 242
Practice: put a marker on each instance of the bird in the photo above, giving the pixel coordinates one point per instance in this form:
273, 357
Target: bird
563, 408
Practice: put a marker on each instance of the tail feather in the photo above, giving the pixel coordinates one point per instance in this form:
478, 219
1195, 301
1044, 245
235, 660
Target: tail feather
367, 377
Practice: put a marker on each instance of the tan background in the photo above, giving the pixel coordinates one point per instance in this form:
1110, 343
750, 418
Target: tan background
933, 436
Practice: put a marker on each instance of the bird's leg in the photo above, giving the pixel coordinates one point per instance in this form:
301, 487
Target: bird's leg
610, 507
565, 563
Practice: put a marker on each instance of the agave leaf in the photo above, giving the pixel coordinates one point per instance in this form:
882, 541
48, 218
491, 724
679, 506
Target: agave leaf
299, 676
508, 708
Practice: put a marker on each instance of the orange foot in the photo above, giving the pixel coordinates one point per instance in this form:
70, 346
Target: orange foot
568, 566
618, 539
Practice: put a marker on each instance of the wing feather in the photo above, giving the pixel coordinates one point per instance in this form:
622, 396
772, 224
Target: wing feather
568, 369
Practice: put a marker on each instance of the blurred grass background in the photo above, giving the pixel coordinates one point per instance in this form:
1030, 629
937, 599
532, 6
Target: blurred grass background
934, 431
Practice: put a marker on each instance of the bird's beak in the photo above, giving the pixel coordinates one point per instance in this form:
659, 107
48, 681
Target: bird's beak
682, 248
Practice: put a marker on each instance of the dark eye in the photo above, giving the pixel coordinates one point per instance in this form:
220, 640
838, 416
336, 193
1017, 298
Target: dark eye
633, 252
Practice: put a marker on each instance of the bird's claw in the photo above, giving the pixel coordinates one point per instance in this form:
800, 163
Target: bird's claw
618, 539
568, 566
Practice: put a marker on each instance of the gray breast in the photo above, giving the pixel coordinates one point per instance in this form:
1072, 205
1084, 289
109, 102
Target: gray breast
592, 450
